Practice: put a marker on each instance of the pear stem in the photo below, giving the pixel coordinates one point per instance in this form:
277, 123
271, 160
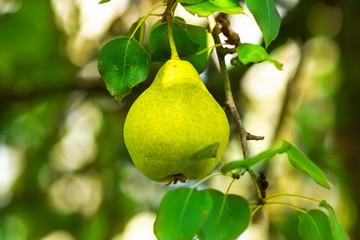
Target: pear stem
168, 16
174, 53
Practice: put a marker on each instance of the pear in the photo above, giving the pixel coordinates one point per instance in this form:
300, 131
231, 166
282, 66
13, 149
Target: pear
171, 120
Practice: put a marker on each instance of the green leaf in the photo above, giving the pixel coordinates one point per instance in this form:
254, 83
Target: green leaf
104, 1
267, 18
181, 214
336, 230
300, 161
205, 41
189, 39
229, 217
208, 7
322, 223
123, 63
307, 227
248, 162
255, 53
190, 1
314, 225
207, 152
140, 32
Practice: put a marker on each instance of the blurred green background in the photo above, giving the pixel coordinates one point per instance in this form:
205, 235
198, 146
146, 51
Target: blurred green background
64, 171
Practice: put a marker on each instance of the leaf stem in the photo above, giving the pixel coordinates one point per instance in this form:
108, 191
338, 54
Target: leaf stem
206, 178
291, 195
145, 17
221, 161
207, 49
256, 209
156, 14
253, 178
288, 205
228, 189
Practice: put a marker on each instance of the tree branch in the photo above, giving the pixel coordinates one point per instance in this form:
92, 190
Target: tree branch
228, 92
77, 85
244, 135
290, 95
168, 10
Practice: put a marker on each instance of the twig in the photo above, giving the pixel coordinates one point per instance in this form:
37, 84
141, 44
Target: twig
290, 94
232, 37
231, 103
228, 93
249, 136
7, 96
168, 11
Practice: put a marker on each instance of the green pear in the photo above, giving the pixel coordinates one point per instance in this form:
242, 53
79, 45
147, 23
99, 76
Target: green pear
171, 120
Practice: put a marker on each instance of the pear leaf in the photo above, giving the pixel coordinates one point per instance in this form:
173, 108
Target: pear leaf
255, 53
266, 17
248, 162
207, 152
307, 227
229, 217
104, 1
322, 222
205, 41
300, 161
123, 63
208, 7
181, 214
336, 230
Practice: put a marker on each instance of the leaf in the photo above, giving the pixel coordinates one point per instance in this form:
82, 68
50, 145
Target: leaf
314, 225
104, 1
248, 162
229, 217
208, 7
207, 152
267, 18
322, 223
189, 39
300, 161
190, 1
181, 214
255, 53
140, 32
123, 63
307, 227
336, 230
205, 41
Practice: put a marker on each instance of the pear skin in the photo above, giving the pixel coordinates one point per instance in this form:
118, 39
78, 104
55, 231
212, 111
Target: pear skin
170, 121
